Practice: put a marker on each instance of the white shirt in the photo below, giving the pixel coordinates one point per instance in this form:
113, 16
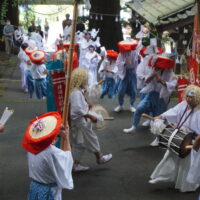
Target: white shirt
78, 105
38, 71
131, 56
110, 66
52, 165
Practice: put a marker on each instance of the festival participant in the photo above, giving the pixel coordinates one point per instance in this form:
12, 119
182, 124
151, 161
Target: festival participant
90, 63
49, 167
39, 73
108, 71
173, 168
24, 65
37, 38
160, 83
84, 43
82, 136
143, 70
67, 30
127, 62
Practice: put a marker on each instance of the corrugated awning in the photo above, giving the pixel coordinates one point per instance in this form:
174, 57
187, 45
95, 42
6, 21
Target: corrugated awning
48, 2
163, 11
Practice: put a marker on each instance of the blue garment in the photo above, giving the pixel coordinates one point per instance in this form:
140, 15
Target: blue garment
39, 191
151, 103
30, 83
40, 88
128, 86
108, 87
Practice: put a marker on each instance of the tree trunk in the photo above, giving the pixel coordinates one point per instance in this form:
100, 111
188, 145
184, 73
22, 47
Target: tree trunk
110, 31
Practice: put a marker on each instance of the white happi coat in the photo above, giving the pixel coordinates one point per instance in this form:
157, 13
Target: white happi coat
122, 59
52, 165
110, 66
171, 167
165, 92
90, 63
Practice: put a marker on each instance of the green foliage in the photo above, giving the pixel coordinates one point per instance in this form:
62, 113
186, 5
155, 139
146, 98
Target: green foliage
3, 10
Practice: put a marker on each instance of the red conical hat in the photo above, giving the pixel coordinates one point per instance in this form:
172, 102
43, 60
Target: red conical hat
41, 132
127, 45
112, 54
161, 62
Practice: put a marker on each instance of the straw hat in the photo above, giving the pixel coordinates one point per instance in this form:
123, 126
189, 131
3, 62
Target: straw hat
41, 132
30, 50
148, 50
38, 57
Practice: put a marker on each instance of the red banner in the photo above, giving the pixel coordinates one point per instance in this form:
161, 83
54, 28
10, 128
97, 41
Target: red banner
195, 55
58, 80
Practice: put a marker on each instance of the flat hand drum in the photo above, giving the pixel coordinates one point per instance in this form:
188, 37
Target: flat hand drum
176, 140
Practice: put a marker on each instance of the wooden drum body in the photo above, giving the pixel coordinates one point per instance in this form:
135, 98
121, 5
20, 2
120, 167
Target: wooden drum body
176, 140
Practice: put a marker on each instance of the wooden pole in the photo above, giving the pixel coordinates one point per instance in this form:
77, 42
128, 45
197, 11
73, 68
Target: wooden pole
69, 71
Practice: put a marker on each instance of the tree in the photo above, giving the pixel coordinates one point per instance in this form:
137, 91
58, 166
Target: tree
110, 29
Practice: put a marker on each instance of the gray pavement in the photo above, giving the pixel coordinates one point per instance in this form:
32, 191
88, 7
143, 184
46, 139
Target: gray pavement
124, 178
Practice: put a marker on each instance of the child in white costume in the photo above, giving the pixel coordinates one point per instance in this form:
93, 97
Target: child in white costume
39, 73
171, 167
82, 136
24, 62
108, 70
90, 63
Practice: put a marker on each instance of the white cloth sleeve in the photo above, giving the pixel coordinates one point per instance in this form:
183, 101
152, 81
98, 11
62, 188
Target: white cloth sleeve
62, 168
78, 105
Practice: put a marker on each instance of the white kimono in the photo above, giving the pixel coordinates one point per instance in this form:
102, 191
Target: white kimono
67, 32
90, 63
82, 135
172, 168
52, 165
38, 39
83, 47
23, 57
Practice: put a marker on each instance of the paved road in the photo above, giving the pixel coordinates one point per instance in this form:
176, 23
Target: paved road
124, 178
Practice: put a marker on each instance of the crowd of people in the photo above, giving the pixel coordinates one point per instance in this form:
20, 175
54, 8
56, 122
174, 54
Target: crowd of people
138, 71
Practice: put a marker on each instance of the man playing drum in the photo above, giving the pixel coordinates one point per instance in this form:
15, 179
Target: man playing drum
172, 168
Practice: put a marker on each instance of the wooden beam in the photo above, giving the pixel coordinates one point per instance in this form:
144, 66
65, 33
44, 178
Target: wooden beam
180, 23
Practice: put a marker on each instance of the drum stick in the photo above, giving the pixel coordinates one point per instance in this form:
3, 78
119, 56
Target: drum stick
147, 116
108, 118
189, 147
100, 82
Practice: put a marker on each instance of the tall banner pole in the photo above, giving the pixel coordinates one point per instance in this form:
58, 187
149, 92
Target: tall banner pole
69, 71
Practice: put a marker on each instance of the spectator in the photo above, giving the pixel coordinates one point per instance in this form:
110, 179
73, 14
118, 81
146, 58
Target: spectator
80, 25
30, 28
39, 31
65, 22
46, 29
8, 32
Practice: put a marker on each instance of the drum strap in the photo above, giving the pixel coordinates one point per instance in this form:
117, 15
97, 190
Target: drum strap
171, 137
179, 125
